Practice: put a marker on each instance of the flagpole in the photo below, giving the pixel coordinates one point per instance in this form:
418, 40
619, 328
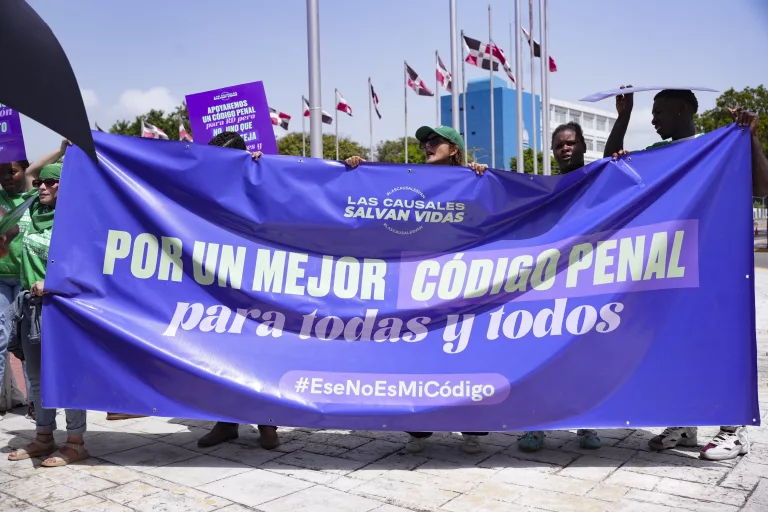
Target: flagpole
533, 89
315, 101
336, 120
405, 104
303, 129
437, 94
519, 87
464, 98
454, 70
493, 131
545, 108
370, 117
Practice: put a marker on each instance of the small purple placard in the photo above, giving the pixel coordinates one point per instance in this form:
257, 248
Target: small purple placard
240, 108
11, 138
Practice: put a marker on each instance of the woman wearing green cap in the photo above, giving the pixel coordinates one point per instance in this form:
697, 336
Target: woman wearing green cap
443, 146
34, 259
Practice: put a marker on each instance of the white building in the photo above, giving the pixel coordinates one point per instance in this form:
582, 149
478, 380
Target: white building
596, 124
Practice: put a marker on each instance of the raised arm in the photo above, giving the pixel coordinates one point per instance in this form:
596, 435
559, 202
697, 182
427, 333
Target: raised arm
33, 171
759, 161
615, 142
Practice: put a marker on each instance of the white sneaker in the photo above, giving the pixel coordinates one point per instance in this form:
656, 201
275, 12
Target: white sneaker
675, 436
415, 444
727, 444
471, 445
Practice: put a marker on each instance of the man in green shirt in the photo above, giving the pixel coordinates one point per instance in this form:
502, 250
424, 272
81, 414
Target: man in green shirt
673, 114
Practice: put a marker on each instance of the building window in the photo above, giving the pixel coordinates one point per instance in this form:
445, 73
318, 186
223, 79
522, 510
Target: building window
575, 116
600, 146
601, 121
559, 115
590, 144
589, 121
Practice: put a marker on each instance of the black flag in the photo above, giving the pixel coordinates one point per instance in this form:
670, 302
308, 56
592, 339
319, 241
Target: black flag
38, 80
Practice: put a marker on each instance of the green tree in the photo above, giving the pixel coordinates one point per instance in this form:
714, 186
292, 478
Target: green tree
393, 151
528, 162
753, 99
291, 144
168, 122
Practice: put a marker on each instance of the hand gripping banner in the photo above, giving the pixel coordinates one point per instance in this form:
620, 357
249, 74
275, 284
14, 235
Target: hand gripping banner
190, 281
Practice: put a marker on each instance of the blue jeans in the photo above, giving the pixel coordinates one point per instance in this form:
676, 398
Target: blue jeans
9, 289
45, 418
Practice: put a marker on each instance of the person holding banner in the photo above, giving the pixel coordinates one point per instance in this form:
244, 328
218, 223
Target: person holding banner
225, 431
443, 146
34, 260
16, 179
673, 118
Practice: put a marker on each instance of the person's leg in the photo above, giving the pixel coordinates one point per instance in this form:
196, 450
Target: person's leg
531, 440
416, 443
269, 439
220, 433
6, 298
729, 443
471, 444
588, 439
675, 436
74, 449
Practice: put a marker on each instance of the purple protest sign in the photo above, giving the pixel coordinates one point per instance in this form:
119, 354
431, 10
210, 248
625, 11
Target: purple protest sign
11, 137
241, 108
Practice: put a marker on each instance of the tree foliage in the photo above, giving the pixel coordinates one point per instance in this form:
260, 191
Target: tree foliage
753, 99
291, 144
528, 162
393, 151
168, 122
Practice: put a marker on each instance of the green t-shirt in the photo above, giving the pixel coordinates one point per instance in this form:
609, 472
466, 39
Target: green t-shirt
668, 142
9, 266
34, 255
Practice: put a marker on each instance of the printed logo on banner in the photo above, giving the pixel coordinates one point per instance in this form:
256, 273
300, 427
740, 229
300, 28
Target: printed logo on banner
404, 210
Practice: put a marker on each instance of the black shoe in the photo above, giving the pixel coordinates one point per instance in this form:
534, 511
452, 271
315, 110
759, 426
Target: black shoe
220, 433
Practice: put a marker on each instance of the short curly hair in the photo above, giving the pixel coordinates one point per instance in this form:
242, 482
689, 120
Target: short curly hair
228, 140
575, 127
677, 94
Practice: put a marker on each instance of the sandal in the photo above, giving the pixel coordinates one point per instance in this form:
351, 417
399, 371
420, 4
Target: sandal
43, 449
58, 459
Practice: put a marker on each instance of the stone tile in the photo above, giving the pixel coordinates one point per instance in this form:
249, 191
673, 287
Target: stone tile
324, 449
425, 479
373, 451
76, 479
667, 457
128, 492
445, 469
544, 481
626, 505
606, 452
105, 470
111, 442
623, 477
679, 502
238, 508
11, 504
340, 438
679, 472
255, 487
178, 500
89, 503
309, 475
4, 477
400, 460
244, 454
591, 468
405, 494
345, 483
199, 471
150, 456
155, 427
701, 492
453, 453
475, 503
509, 467
557, 458
391, 508
499, 491
336, 465
558, 502
39, 491
184, 437
608, 492
758, 501
321, 499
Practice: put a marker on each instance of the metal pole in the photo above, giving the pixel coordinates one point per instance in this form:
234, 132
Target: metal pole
493, 131
405, 109
370, 117
303, 130
454, 70
336, 119
533, 90
464, 99
437, 95
545, 113
519, 87
315, 108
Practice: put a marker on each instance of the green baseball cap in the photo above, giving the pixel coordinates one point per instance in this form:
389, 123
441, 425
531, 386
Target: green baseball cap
445, 132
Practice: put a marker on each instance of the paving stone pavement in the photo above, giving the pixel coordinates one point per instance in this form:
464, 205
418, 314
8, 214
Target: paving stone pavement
154, 465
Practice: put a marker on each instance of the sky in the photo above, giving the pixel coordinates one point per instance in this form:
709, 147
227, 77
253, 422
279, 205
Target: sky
132, 56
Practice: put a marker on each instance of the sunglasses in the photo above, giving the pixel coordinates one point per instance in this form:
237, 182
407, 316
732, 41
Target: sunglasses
432, 142
48, 182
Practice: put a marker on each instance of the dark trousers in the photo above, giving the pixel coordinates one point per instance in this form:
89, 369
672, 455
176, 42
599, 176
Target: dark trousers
424, 435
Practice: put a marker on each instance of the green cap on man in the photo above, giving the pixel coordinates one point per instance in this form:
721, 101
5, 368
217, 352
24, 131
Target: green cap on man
446, 132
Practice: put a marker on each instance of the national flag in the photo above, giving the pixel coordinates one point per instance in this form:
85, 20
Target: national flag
342, 105
498, 55
479, 54
98, 128
327, 119
416, 83
279, 119
150, 131
375, 98
537, 50
183, 134
443, 75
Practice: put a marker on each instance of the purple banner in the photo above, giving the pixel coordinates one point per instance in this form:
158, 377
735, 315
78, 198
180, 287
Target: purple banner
11, 137
241, 108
